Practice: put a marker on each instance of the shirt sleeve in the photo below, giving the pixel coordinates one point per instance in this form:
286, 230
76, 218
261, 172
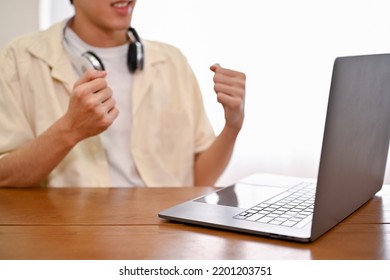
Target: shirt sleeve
14, 127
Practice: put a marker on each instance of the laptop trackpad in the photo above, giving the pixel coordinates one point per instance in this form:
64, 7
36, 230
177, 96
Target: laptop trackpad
241, 195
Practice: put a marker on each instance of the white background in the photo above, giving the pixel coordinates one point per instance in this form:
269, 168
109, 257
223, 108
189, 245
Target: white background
280, 269
285, 47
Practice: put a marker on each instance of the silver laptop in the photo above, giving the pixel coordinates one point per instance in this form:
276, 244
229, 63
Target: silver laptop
351, 169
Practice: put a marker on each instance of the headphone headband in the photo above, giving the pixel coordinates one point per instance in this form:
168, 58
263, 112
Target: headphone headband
135, 55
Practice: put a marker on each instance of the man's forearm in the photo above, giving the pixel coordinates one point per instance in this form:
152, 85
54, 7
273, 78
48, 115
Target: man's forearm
210, 163
32, 163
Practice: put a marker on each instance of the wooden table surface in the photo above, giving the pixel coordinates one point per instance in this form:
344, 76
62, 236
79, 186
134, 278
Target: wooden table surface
122, 223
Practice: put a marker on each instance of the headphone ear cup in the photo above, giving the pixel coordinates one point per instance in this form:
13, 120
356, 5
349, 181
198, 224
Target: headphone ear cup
132, 58
135, 56
93, 60
87, 60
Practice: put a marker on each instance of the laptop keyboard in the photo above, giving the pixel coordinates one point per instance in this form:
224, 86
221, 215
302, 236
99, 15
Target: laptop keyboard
291, 208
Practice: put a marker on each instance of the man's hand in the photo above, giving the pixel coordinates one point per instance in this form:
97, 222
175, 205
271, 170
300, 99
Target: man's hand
91, 107
229, 85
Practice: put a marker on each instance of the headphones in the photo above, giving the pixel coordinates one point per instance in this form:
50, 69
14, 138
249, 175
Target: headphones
135, 56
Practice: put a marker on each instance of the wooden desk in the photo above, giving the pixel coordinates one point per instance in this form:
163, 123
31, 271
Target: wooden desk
116, 223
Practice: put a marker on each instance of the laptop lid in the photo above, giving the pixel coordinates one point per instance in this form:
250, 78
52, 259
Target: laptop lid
356, 138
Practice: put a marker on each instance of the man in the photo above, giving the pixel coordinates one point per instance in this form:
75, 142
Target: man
62, 129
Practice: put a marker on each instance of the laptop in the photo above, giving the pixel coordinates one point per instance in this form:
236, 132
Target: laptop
351, 169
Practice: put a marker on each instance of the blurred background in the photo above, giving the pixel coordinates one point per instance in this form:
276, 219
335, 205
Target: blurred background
286, 48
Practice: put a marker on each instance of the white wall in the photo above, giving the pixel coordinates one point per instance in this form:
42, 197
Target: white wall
287, 50
17, 17
285, 47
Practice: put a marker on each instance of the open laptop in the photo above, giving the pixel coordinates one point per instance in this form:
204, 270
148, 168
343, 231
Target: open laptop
351, 170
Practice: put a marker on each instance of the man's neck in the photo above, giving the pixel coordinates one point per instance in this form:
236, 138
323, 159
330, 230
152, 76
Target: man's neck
98, 37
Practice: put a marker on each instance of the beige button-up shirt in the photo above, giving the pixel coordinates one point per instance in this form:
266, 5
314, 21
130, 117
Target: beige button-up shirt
169, 121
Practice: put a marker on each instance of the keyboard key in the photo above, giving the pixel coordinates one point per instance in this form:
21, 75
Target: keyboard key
255, 217
265, 219
289, 223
